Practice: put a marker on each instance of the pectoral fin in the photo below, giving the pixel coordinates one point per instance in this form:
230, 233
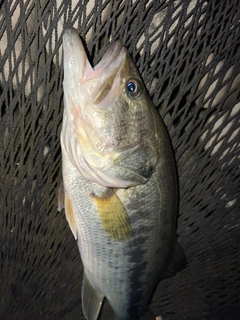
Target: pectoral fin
70, 215
113, 216
91, 300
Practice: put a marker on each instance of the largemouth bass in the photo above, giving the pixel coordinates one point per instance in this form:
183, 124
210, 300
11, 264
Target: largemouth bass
119, 181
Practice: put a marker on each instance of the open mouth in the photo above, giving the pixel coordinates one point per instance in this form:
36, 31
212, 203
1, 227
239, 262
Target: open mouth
97, 82
76, 59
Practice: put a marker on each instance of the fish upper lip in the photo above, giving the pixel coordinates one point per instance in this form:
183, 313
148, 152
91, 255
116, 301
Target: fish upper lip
110, 62
115, 50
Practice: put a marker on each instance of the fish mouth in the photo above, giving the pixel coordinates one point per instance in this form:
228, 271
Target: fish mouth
75, 54
96, 82
107, 75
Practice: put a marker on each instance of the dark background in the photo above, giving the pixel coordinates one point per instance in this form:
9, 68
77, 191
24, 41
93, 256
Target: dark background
189, 57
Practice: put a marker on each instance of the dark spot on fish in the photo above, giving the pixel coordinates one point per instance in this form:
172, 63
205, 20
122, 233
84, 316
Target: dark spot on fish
146, 172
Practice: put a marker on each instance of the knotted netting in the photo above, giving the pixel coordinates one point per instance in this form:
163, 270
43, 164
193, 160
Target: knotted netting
188, 53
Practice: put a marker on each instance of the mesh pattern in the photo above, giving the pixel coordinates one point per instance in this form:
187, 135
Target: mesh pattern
188, 53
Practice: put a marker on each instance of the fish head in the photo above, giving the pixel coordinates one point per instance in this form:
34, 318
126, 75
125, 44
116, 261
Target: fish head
110, 124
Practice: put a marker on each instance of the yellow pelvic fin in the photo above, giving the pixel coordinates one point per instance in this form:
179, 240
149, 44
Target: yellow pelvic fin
70, 215
113, 217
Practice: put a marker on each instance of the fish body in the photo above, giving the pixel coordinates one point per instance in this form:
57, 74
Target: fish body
119, 180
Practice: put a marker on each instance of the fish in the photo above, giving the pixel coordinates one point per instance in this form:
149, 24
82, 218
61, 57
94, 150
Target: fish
119, 190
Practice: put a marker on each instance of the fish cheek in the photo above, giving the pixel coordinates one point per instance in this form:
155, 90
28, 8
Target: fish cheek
113, 216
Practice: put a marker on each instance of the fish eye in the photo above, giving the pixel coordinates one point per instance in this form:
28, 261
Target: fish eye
133, 88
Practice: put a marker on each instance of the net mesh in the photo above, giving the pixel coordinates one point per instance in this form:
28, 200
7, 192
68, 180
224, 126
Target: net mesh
188, 53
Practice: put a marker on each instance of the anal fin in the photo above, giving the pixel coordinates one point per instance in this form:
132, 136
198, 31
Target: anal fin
91, 300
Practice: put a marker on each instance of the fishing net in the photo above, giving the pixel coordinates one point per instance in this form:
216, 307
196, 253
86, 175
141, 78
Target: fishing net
188, 53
